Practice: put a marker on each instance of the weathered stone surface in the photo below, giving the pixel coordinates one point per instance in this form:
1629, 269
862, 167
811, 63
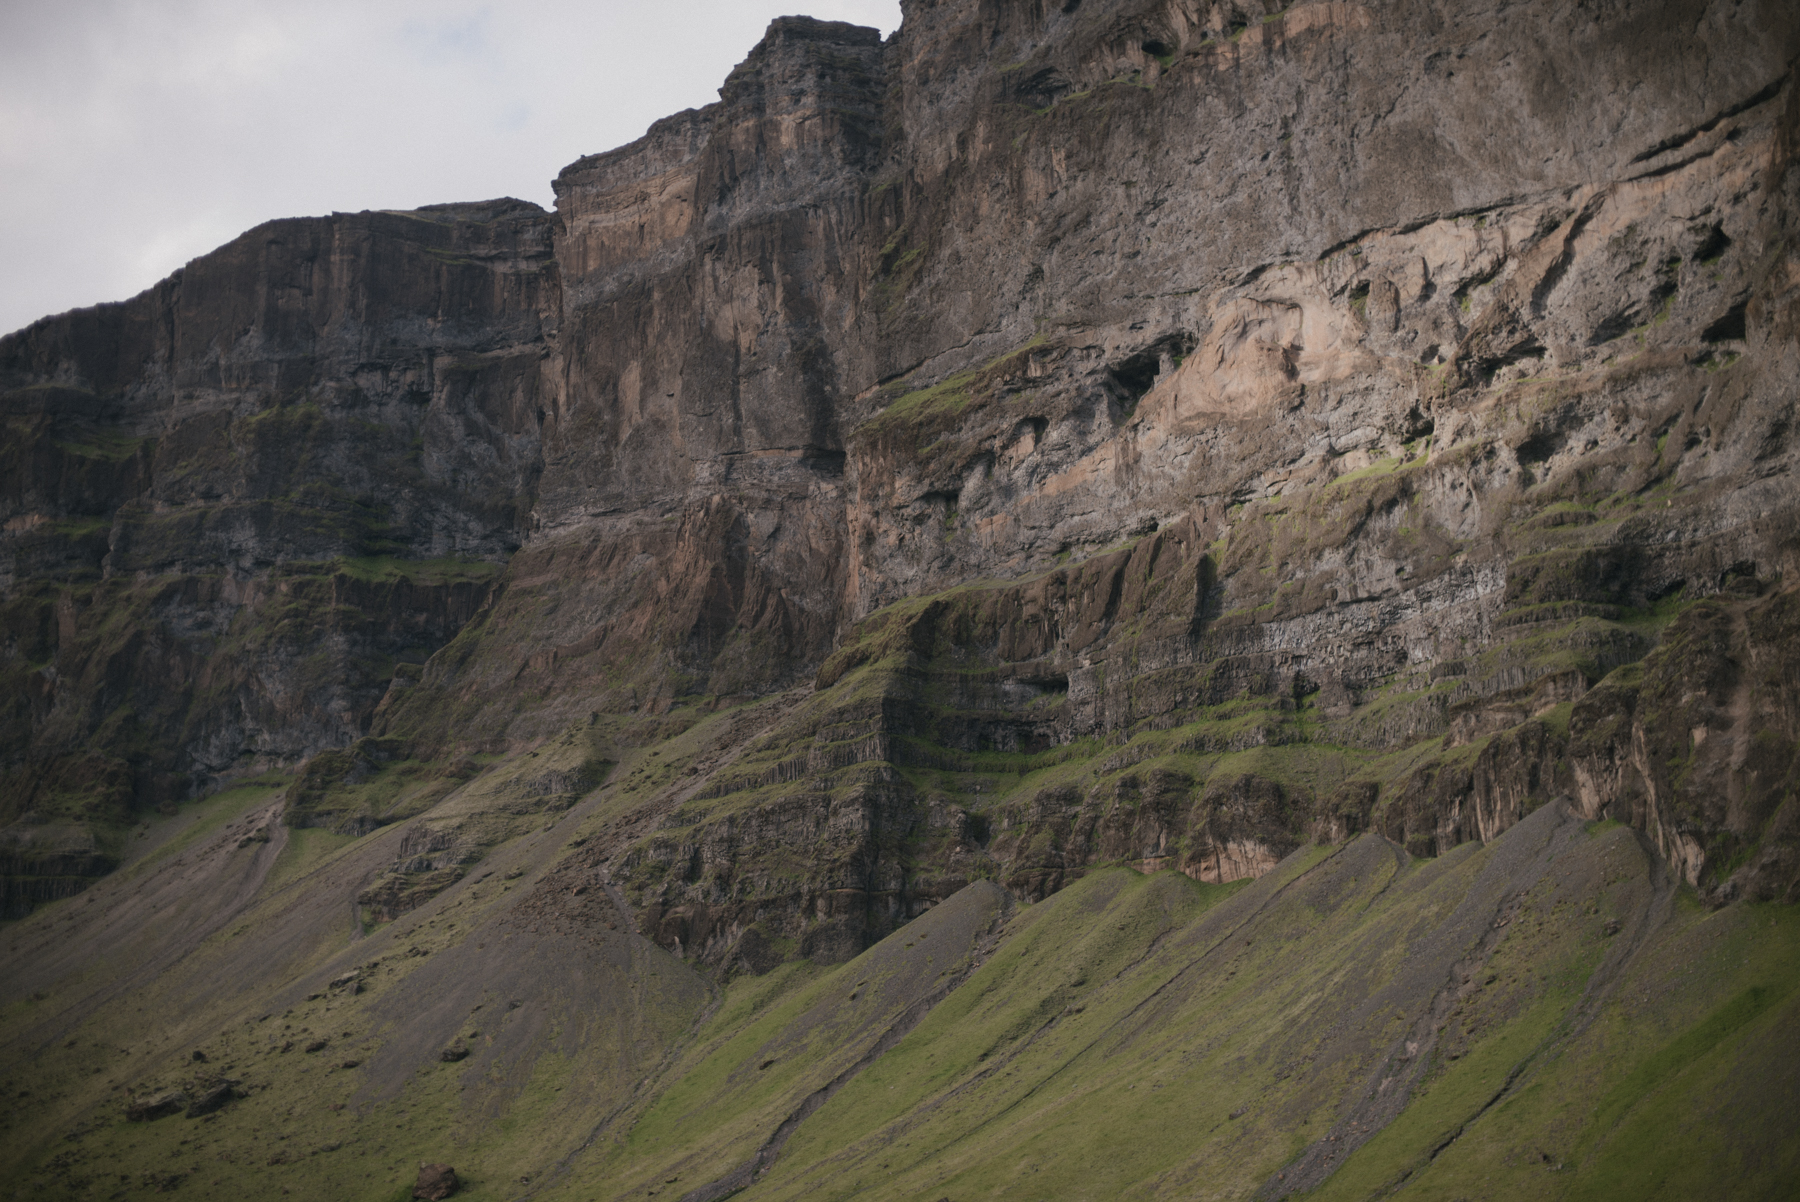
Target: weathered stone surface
236, 502
155, 1106
436, 1182
1697, 747
1138, 424
212, 1098
1060, 443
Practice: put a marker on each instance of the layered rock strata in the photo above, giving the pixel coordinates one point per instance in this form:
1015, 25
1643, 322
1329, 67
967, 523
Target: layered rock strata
244, 502
1079, 434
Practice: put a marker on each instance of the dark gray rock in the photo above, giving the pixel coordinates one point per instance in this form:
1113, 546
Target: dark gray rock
156, 1106
436, 1182
212, 1098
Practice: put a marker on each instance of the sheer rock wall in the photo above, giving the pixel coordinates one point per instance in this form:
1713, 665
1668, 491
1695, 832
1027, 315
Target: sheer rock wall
1099, 432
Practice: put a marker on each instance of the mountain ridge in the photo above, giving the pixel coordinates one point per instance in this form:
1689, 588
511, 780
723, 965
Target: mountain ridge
1057, 442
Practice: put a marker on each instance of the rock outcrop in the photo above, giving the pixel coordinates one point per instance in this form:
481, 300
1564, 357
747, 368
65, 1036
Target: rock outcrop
245, 503
1107, 597
1075, 434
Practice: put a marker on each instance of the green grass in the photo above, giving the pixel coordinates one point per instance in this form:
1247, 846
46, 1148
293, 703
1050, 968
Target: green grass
203, 818
387, 569
950, 395
106, 444
1673, 1058
1385, 466
1635, 1105
1130, 1036
1443, 1109
306, 849
81, 526
1653, 619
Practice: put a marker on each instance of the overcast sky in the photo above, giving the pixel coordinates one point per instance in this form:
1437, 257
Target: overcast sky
137, 134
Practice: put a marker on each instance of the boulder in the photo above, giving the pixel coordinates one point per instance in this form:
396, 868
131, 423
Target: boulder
211, 1099
435, 1181
155, 1106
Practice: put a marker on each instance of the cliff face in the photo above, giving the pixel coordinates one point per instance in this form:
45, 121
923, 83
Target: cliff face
689, 523
1444, 376
236, 502
1347, 447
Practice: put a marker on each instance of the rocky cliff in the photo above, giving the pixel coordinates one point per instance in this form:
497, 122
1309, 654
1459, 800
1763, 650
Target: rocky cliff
1060, 437
240, 503
1444, 377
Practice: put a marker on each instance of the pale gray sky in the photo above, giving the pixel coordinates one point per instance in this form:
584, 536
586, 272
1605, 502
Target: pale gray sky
137, 134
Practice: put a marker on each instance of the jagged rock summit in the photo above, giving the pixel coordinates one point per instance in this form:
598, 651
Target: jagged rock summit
966, 532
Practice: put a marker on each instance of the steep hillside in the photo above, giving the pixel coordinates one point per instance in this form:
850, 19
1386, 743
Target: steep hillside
1097, 599
1547, 1016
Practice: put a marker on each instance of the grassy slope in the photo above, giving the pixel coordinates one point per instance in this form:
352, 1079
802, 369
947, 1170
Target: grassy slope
1131, 1036
1148, 1036
590, 1020
1686, 1081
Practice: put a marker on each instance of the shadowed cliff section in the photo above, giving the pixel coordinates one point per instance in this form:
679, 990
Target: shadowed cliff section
240, 503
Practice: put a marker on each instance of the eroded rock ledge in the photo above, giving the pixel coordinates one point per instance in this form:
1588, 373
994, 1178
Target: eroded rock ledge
1053, 437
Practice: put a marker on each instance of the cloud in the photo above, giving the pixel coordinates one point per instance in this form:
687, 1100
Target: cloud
136, 135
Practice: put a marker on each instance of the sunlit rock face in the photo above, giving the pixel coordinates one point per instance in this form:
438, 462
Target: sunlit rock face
1083, 434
